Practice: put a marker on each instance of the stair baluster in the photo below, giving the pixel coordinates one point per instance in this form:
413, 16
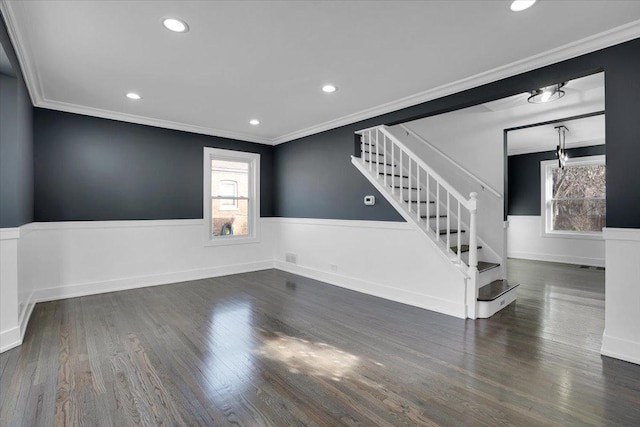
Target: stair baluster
458, 248
392, 159
418, 210
437, 211
377, 154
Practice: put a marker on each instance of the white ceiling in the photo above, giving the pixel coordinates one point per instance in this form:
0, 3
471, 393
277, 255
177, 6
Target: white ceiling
268, 59
582, 133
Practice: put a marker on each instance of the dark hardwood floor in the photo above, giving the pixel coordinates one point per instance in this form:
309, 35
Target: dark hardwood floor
271, 348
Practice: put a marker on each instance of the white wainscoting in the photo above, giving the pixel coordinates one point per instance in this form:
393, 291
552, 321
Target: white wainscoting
83, 258
621, 338
525, 241
390, 260
70, 259
10, 335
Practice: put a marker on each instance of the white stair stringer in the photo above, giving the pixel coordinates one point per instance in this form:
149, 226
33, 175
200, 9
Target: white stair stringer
391, 167
396, 201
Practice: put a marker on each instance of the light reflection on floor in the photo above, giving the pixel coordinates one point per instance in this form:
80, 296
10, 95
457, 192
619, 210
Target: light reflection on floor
305, 357
230, 361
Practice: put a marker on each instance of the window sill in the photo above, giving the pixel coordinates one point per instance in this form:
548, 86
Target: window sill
572, 235
231, 240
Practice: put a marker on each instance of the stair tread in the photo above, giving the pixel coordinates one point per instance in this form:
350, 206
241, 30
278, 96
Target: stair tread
432, 216
495, 290
380, 163
404, 187
484, 266
463, 248
392, 174
443, 232
373, 152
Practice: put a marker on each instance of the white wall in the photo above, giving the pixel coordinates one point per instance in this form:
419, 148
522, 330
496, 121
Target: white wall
473, 137
526, 241
621, 338
9, 314
48, 261
386, 259
68, 259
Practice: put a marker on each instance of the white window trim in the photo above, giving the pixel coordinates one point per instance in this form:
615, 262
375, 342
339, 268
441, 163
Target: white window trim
253, 214
546, 187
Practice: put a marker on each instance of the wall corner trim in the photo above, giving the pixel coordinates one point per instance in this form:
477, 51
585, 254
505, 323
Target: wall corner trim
12, 233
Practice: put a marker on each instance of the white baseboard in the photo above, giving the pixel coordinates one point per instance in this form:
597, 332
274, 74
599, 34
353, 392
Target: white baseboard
30, 303
405, 297
13, 337
10, 339
620, 349
85, 289
564, 259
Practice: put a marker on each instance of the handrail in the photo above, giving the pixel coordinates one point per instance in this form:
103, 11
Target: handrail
483, 184
421, 163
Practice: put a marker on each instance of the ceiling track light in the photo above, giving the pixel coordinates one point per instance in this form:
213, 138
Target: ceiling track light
546, 94
561, 149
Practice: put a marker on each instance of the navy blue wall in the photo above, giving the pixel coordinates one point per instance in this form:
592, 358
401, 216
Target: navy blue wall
88, 168
315, 179
524, 178
16, 143
621, 64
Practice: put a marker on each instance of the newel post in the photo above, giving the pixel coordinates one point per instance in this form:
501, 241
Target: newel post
472, 289
473, 231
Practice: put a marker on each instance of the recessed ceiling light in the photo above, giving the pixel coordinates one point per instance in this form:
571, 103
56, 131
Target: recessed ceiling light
254, 122
520, 5
175, 25
133, 95
329, 88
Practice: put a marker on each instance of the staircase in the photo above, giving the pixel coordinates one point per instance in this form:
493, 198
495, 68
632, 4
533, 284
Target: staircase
445, 217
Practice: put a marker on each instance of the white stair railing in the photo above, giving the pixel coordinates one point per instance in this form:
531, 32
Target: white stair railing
386, 157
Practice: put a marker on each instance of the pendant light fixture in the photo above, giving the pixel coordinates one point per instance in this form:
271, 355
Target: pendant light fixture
561, 150
546, 94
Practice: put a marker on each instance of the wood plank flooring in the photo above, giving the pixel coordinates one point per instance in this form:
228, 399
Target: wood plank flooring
274, 349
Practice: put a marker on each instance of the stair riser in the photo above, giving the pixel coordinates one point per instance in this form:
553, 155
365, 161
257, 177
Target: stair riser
405, 182
382, 168
412, 193
487, 309
422, 209
489, 276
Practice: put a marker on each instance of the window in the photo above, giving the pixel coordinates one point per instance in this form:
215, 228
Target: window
231, 195
573, 200
229, 190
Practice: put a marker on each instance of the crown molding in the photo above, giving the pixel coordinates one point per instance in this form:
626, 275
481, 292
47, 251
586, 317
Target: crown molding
598, 41
589, 44
29, 71
149, 121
